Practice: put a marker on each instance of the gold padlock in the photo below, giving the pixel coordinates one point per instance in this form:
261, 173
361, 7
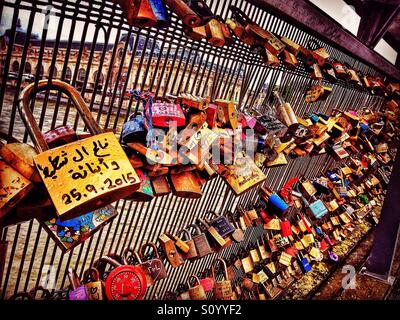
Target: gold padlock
247, 264
223, 289
84, 175
93, 284
215, 36
14, 187
197, 292
182, 245
20, 156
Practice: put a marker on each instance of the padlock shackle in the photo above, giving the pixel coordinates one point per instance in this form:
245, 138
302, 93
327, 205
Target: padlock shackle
186, 232
195, 277
225, 269
105, 259
196, 228
93, 273
148, 244
29, 121
213, 213
131, 251
203, 222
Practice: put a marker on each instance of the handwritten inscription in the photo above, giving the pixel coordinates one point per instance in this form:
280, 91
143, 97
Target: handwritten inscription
87, 169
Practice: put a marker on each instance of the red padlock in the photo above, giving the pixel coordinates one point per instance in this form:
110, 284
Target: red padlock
286, 228
124, 282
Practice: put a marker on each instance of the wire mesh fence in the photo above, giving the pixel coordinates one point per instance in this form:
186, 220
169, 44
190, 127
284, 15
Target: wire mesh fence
88, 44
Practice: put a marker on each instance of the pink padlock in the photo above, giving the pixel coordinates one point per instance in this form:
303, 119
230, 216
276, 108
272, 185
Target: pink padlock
207, 283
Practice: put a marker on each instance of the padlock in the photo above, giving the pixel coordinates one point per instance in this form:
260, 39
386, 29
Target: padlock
274, 200
306, 56
269, 41
200, 240
320, 54
133, 130
164, 114
253, 215
182, 291
207, 281
304, 263
332, 205
215, 35
78, 291
285, 259
70, 233
223, 288
329, 72
154, 266
186, 184
226, 113
197, 292
254, 254
184, 12
138, 13
286, 228
340, 70
270, 59
268, 125
284, 111
221, 224
215, 236
60, 136
77, 167
124, 282
197, 33
264, 254
161, 13
20, 157
317, 93
179, 243
270, 242
289, 59
315, 254
14, 188
247, 263
171, 252
237, 235
244, 220
293, 47
308, 187
315, 71
226, 32
192, 253
132, 257
93, 284
354, 77
160, 186
316, 207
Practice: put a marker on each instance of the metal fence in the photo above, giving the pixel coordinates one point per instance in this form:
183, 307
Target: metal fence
88, 44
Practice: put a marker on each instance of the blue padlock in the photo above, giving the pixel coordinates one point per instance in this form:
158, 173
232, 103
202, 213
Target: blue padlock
160, 12
133, 130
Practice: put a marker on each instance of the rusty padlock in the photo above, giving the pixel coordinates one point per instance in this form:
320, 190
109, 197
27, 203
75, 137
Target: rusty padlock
197, 292
223, 288
77, 167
